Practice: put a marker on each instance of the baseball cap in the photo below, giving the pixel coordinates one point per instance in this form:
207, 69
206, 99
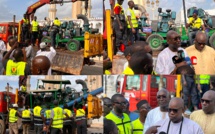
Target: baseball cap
43, 45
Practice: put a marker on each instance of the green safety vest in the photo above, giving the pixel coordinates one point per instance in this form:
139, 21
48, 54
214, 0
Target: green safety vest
58, 118
12, 116
35, 26
123, 125
15, 68
203, 79
26, 115
133, 19
137, 126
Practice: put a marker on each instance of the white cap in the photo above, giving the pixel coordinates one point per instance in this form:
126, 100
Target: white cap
43, 45
15, 105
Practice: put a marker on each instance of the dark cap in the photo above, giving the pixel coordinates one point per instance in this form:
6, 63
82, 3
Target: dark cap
195, 11
140, 103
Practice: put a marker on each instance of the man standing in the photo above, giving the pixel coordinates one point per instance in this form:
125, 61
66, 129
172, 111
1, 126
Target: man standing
25, 28
133, 31
13, 118
121, 119
34, 30
206, 117
54, 31
159, 113
199, 55
176, 123
203, 83
67, 122
50, 54
195, 23
26, 120
164, 63
38, 118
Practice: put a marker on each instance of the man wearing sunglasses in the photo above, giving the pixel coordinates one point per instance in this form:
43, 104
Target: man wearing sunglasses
107, 106
206, 117
160, 112
202, 56
164, 63
121, 119
176, 124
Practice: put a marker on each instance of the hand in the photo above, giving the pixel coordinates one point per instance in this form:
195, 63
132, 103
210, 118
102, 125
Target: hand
181, 64
133, 30
120, 27
199, 88
15, 45
185, 83
153, 129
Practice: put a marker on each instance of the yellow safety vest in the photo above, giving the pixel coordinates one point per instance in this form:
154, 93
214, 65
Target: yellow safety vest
123, 125
197, 23
48, 114
58, 118
137, 126
133, 19
23, 88
57, 22
12, 116
37, 115
15, 68
26, 116
80, 114
128, 71
25, 21
203, 79
35, 26
69, 113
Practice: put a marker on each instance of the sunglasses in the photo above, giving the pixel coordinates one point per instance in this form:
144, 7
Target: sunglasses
121, 103
161, 96
199, 43
206, 101
173, 110
177, 38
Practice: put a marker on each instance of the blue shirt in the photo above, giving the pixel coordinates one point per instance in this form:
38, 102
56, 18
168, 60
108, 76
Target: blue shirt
133, 116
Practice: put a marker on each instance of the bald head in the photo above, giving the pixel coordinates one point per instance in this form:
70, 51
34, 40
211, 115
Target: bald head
208, 102
40, 65
177, 101
210, 94
170, 33
200, 41
164, 91
200, 35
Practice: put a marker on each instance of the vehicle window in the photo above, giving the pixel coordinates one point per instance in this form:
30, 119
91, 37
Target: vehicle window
133, 82
156, 81
10, 30
2, 29
145, 81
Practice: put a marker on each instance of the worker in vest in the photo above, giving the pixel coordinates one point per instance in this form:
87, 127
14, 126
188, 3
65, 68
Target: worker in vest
39, 119
13, 118
203, 83
47, 116
138, 124
56, 121
26, 120
54, 31
67, 122
25, 28
80, 118
15, 66
34, 30
119, 27
133, 31
121, 119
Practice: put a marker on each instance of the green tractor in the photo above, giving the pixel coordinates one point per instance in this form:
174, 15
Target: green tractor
71, 35
157, 39
209, 22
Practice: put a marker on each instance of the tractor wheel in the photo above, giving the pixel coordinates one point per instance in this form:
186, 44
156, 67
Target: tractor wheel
212, 40
73, 45
46, 39
2, 127
155, 41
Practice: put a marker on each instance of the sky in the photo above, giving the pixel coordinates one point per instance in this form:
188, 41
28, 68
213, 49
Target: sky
8, 8
174, 5
13, 81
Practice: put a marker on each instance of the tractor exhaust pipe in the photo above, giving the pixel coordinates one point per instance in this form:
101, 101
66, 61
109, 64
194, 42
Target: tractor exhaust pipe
86, 21
84, 85
141, 9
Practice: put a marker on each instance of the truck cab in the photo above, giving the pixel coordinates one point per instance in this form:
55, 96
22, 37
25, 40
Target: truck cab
7, 29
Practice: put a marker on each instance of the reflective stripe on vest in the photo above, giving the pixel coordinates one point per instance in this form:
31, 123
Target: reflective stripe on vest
57, 22
26, 116
69, 113
12, 116
203, 79
48, 114
133, 19
34, 26
80, 114
123, 125
37, 117
15, 68
137, 126
58, 118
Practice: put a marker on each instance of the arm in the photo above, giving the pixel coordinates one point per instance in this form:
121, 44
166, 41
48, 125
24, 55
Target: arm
117, 13
7, 55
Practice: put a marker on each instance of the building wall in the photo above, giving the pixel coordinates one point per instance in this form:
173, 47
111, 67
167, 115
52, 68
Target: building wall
94, 82
52, 77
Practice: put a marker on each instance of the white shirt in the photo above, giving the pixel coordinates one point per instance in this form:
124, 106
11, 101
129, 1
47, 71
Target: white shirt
29, 54
164, 63
188, 127
154, 116
50, 54
125, 65
2, 48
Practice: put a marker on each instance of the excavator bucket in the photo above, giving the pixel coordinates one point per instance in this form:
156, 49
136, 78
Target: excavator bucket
68, 62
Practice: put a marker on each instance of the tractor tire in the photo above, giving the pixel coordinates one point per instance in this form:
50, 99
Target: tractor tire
155, 42
46, 39
212, 40
73, 45
2, 127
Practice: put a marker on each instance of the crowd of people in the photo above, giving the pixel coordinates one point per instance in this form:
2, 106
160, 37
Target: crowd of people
169, 117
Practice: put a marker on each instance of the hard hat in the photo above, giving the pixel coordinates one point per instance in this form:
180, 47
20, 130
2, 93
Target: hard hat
43, 45
15, 105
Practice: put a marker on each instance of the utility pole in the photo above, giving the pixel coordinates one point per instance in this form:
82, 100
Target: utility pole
185, 20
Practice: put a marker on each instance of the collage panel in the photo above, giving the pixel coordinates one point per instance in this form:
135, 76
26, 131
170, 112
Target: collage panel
161, 104
57, 104
67, 32
155, 37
